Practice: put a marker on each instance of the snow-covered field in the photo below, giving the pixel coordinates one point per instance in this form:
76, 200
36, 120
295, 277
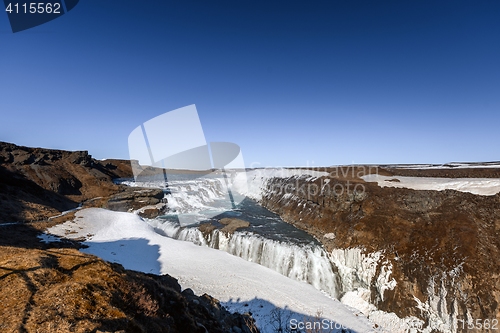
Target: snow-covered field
480, 186
447, 166
240, 285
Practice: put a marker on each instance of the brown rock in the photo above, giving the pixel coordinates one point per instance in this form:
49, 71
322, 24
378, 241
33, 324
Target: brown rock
37, 183
59, 289
232, 224
133, 198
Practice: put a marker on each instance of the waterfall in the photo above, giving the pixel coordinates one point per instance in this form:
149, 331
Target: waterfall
309, 263
352, 275
342, 271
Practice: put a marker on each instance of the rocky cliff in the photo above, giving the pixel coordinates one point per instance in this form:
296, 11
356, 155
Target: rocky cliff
37, 183
437, 251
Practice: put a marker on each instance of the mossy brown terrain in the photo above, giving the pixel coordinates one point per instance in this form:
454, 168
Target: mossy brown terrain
51, 288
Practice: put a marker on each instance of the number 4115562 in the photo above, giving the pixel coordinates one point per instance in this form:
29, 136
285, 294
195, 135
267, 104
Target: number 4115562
34, 8
479, 324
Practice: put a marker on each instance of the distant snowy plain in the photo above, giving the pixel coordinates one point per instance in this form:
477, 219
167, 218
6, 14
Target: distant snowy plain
479, 186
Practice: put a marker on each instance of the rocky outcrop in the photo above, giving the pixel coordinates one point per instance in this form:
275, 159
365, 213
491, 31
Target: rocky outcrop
234, 323
133, 198
37, 183
226, 225
146, 202
232, 224
441, 248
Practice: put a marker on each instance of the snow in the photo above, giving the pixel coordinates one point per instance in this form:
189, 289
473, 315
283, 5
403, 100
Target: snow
360, 300
329, 235
46, 238
384, 282
435, 308
354, 267
479, 186
66, 212
357, 272
454, 165
240, 285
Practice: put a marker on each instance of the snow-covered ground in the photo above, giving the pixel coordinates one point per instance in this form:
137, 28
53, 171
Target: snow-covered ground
240, 285
480, 186
453, 165
66, 212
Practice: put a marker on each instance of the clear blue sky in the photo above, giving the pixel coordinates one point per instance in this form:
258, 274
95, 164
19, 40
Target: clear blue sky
291, 82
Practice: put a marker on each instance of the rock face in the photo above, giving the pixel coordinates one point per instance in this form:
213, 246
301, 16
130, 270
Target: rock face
133, 198
147, 202
39, 183
36, 183
442, 248
232, 224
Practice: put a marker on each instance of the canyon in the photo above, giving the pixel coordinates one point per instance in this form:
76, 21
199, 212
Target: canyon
413, 248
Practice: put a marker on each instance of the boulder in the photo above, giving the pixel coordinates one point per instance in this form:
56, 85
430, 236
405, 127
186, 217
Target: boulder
134, 198
232, 224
